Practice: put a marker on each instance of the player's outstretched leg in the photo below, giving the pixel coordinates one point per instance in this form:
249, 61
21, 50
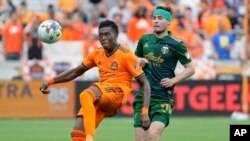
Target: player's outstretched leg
86, 120
87, 99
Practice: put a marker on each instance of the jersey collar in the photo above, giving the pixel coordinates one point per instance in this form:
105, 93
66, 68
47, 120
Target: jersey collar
109, 54
168, 35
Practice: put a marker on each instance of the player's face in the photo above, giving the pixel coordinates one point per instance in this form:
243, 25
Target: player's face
108, 38
160, 24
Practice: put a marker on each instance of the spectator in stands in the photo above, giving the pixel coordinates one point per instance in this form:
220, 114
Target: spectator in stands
223, 41
77, 27
94, 23
232, 17
24, 13
148, 4
50, 13
195, 46
183, 29
192, 6
67, 7
67, 32
238, 52
122, 37
192, 23
238, 6
13, 37
179, 28
212, 23
97, 7
204, 14
139, 24
91, 43
5, 7
34, 43
72, 23
121, 8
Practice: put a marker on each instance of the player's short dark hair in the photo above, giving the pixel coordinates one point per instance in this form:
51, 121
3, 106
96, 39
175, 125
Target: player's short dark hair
109, 23
165, 8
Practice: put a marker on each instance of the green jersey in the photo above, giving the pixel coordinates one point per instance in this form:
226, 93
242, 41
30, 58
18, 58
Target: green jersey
162, 55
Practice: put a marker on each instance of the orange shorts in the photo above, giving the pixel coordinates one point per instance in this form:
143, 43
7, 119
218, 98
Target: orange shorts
113, 97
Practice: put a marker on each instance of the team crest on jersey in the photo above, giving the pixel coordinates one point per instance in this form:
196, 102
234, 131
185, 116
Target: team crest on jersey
165, 49
145, 45
114, 65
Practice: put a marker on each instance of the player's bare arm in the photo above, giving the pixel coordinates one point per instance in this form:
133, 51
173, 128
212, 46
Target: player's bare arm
64, 77
188, 71
146, 100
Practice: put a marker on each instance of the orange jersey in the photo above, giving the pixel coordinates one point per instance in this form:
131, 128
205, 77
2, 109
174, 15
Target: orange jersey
118, 68
13, 37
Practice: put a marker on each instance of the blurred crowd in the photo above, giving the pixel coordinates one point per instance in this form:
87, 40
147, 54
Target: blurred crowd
210, 29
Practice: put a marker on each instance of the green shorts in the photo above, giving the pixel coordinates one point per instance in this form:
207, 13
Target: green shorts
158, 111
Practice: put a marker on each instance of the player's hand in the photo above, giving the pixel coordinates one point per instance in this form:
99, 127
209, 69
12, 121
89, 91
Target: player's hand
44, 88
166, 82
145, 122
142, 61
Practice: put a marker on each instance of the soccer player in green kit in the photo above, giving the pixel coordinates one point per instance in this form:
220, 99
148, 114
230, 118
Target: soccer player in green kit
158, 54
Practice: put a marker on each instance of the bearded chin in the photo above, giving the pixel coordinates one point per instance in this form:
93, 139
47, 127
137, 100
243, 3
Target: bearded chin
159, 31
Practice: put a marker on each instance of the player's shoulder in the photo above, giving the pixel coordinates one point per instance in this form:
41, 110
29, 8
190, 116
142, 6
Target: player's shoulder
125, 52
99, 49
175, 41
124, 49
147, 36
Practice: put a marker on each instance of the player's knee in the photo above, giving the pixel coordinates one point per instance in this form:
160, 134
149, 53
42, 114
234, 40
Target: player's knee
86, 94
154, 135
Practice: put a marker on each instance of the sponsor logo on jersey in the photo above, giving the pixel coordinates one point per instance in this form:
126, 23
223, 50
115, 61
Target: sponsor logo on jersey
156, 59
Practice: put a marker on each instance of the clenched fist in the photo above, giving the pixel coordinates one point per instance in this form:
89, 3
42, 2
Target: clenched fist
44, 88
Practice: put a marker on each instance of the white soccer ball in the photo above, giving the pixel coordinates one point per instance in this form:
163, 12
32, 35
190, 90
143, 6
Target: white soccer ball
49, 31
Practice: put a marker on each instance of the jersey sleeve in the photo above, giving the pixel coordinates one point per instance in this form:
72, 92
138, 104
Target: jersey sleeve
132, 66
89, 61
182, 54
139, 48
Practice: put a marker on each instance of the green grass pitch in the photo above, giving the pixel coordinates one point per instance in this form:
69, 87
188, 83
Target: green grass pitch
117, 129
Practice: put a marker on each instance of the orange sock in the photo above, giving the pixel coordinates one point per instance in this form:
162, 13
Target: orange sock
77, 135
87, 99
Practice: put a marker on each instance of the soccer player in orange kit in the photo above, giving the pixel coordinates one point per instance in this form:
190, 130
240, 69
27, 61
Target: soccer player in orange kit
117, 67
